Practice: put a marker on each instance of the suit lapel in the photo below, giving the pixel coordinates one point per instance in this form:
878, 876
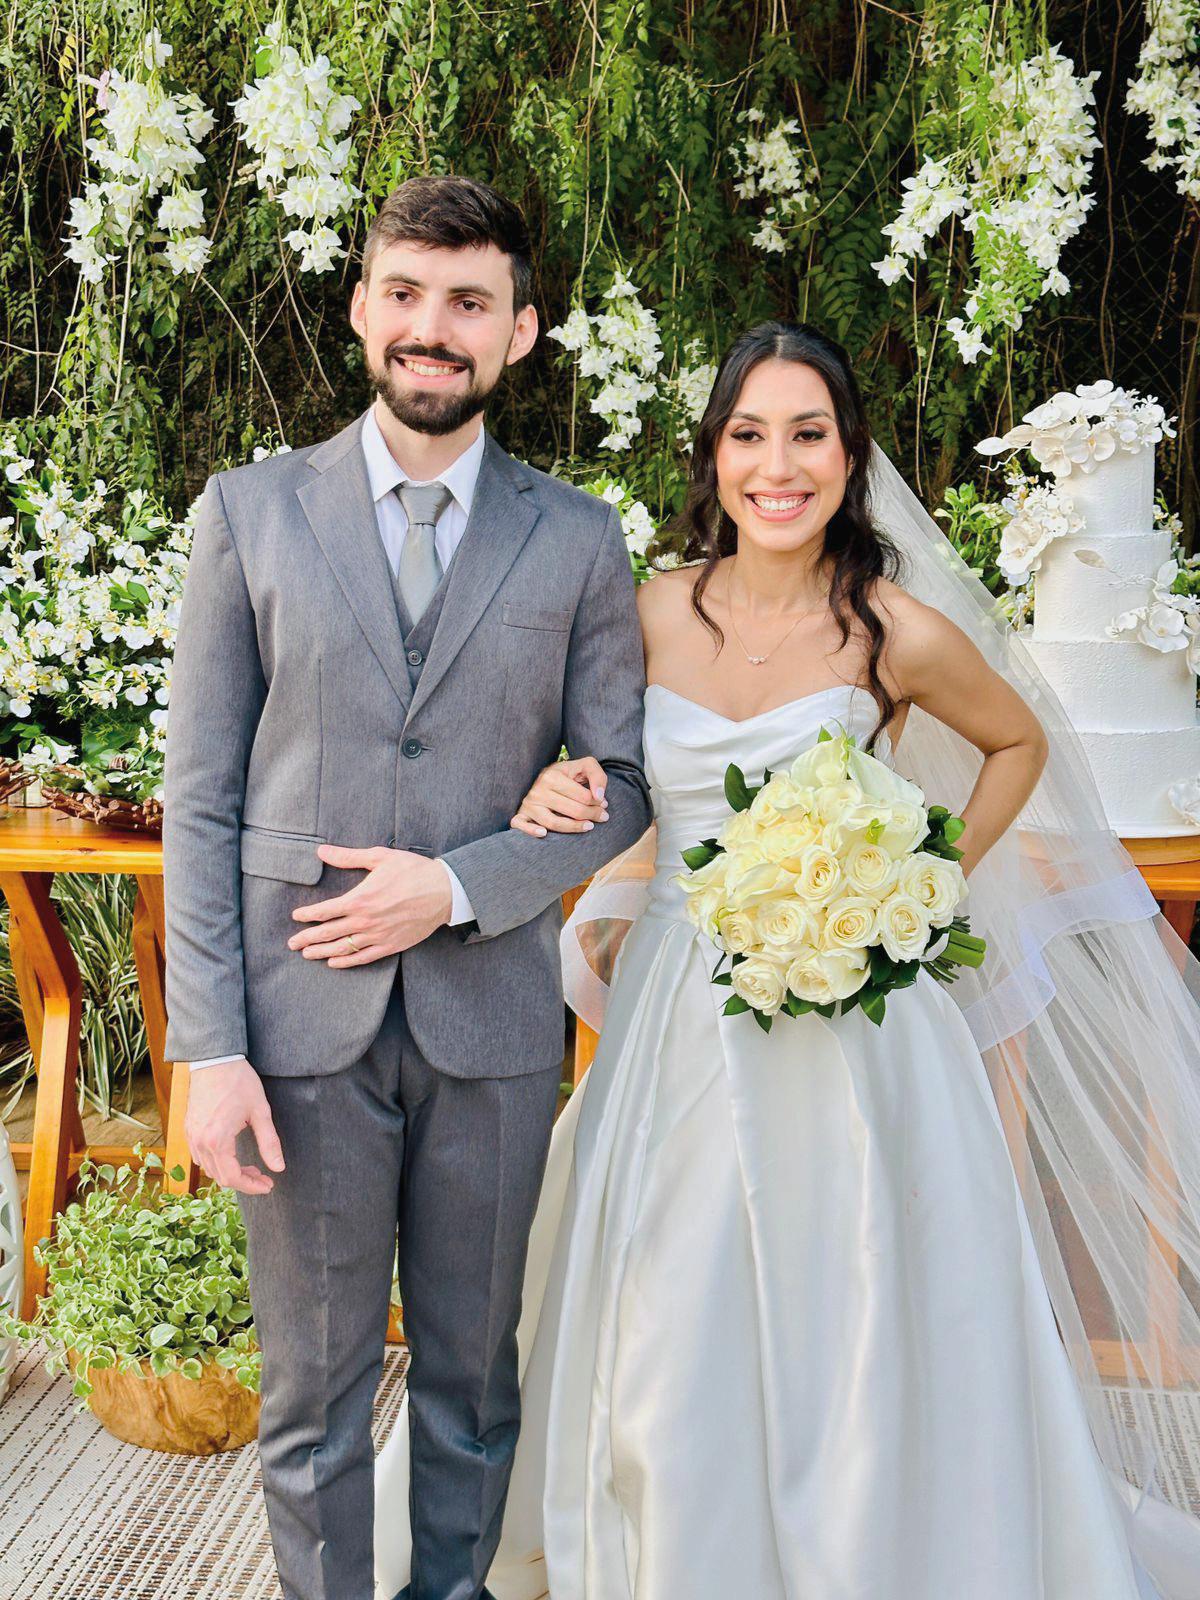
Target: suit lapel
503, 513
337, 502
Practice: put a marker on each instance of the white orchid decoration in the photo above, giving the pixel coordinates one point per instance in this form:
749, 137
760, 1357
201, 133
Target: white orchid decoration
1166, 622
150, 148
1081, 430
1185, 797
1038, 513
292, 119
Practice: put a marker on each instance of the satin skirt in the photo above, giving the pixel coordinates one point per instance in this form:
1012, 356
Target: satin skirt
785, 1333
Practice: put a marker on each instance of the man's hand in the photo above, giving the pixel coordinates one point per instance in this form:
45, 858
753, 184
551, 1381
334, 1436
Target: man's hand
402, 900
222, 1100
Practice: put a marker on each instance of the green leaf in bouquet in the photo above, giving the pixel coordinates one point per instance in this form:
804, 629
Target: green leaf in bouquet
794, 1006
882, 965
953, 829
724, 978
763, 1021
699, 855
826, 1011
735, 1005
936, 815
737, 791
873, 1003
824, 737
905, 974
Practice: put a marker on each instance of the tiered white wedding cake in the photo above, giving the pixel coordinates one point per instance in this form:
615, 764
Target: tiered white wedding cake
1116, 647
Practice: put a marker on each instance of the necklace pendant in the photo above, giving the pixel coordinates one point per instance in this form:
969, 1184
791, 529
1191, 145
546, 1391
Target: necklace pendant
756, 661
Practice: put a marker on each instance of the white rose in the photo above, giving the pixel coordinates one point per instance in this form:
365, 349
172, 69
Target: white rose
787, 924
904, 828
785, 796
707, 892
833, 801
936, 884
740, 831
902, 927
827, 975
759, 980
870, 869
819, 876
737, 932
850, 923
786, 840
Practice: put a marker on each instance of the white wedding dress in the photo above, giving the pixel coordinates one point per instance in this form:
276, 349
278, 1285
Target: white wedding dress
785, 1333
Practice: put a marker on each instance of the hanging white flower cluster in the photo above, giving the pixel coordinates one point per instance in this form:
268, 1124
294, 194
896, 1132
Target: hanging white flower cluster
1037, 514
89, 607
771, 168
690, 390
1084, 428
292, 120
1021, 192
620, 346
1166, 88
636, 522
149, 149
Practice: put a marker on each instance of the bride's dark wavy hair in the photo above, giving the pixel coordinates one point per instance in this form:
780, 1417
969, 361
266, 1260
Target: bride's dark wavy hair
861, 551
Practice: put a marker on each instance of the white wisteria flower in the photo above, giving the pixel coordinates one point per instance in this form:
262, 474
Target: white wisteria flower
772, 168
293, 119
1019, 186
150, 147
636, 522
1079, 430
620, 347
1166, 89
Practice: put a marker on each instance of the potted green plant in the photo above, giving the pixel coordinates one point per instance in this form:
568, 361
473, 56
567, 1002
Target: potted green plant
147, 1304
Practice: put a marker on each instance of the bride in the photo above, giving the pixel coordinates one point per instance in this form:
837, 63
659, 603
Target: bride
846, 1312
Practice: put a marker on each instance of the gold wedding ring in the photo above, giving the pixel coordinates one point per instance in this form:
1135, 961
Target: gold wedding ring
351, 943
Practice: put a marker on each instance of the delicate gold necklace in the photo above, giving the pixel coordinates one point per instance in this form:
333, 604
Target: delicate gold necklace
757, 661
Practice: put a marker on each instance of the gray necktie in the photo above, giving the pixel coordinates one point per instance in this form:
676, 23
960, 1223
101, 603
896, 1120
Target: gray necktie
420, 571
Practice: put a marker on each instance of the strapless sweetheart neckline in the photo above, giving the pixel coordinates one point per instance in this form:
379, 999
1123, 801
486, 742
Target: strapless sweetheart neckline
757, 716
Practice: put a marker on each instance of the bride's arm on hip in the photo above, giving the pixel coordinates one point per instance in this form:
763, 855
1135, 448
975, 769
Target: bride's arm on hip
936, 666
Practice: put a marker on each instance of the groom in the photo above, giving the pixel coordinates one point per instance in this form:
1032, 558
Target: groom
384, 638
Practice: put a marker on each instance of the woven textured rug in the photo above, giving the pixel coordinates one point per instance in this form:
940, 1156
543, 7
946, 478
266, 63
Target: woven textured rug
85, 1517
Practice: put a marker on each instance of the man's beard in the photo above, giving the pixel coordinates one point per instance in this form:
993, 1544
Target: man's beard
424, 410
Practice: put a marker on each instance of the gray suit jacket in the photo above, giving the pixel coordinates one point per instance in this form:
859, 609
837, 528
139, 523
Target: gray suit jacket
293, 721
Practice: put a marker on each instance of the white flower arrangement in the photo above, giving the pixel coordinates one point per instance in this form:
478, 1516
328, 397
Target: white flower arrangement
1021, 192
1166, 621
149, 149
1185, 797
619, 346
636, 522
292, 119
1080, 430
89, 607
771, 168
1036, 514
690, 390
1166, 89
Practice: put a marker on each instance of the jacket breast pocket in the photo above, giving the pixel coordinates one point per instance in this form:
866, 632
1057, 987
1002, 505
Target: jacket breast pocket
517, 615
290, 857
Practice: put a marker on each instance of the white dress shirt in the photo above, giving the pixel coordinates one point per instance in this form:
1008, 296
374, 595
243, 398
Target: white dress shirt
384, 474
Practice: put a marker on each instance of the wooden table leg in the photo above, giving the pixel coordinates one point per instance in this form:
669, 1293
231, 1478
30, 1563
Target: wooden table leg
149, 942
177, 1153
53, 1018
1181, 914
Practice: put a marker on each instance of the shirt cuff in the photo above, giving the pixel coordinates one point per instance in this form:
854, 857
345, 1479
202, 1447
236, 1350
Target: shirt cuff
212, 1061
461, 909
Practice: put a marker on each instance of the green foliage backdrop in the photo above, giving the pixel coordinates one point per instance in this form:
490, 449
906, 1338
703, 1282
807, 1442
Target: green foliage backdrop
611, 122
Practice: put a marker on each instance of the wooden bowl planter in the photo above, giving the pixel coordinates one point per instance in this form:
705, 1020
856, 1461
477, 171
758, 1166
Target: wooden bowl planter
65, 792
186, 1416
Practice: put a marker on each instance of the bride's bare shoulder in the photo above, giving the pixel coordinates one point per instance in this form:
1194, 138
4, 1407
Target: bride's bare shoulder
666, 595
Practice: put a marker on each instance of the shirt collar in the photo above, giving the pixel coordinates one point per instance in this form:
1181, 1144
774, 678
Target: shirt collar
384, 472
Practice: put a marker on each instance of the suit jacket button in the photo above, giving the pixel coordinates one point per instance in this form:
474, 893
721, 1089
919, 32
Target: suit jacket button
415, 658
411, 748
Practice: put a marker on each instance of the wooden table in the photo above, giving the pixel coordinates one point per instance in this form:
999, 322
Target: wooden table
34, 845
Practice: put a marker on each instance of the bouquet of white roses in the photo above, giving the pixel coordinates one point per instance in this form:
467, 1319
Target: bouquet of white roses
829, 886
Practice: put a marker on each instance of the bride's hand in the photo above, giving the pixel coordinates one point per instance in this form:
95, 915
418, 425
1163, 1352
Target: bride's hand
567, 797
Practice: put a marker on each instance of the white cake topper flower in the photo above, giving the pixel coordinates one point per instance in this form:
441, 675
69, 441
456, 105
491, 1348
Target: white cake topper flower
1081, 430
1166, 622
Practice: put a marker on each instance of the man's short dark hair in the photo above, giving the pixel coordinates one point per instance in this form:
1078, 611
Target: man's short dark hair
450, 213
